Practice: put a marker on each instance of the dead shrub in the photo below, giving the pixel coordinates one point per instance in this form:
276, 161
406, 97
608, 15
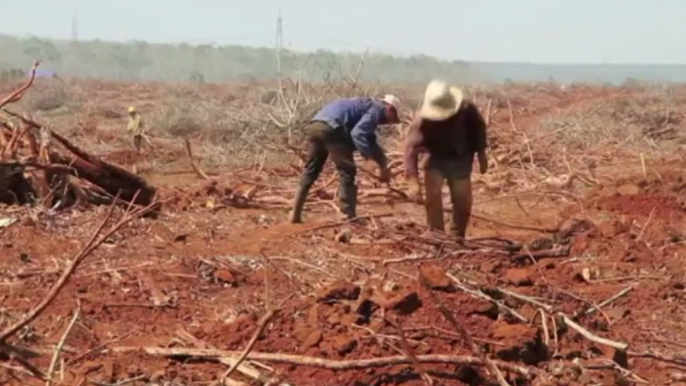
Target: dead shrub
183, 119
649, 121
51, 99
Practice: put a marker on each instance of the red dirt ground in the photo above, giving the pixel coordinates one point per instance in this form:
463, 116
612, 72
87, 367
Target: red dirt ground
213, 273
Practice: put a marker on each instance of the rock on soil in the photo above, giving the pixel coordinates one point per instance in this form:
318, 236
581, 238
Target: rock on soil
519, 277
365, 307
522, 343
404, 304
225, 276
343, 344
478, 306
312, 339
436, 278
338, 291
573, 226
607, 229
628, 190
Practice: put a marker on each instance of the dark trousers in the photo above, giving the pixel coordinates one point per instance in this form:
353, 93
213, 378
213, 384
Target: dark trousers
323, 141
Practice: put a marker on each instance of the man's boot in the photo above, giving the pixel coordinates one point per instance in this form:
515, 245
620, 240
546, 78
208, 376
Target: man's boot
348, 201
298, 204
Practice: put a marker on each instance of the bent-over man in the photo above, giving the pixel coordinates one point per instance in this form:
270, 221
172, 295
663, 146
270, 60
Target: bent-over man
451, 130
338, 129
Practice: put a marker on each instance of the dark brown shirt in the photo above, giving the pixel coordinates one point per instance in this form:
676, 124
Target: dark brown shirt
458, 137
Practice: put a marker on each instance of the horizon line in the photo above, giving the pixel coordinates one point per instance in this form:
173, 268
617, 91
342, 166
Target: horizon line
347, 52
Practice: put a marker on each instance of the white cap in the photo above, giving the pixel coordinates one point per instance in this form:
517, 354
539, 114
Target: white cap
392, 100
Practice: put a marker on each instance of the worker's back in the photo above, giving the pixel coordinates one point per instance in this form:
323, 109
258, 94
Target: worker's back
346, 112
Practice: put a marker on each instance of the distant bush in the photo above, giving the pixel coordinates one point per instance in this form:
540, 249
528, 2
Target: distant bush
52, 99
183, 118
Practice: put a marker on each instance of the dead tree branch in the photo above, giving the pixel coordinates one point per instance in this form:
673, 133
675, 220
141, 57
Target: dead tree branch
330, 364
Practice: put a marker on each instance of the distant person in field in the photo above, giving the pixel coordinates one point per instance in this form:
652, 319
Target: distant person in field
339, 129
136, 127
451, 130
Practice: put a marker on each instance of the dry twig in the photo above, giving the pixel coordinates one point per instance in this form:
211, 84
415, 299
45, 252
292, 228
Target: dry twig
58, 348
621, 346
330, 364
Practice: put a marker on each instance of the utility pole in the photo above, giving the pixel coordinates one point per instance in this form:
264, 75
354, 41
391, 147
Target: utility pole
279, 42
75, 26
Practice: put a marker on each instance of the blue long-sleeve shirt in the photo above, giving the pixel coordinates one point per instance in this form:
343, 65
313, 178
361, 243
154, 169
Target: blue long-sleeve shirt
359, 118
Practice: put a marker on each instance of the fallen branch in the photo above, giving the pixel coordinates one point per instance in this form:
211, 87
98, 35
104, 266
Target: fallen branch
195, 166
409, 352
329, 364
659, 357
621, 346
17, 94
339, 223
479, 294
527, 299
500, 223
17, 355
111, 178
512, 226
244, 368
98, 348
555, 252
610, 300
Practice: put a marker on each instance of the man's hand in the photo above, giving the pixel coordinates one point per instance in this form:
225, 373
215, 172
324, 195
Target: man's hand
483, 163
385, 175
414, 193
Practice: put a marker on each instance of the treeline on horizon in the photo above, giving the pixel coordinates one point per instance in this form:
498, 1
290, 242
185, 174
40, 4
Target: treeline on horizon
206, 63
142, 61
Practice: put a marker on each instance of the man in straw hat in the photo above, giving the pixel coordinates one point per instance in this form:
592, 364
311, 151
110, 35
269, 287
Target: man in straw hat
450, 129
338, 129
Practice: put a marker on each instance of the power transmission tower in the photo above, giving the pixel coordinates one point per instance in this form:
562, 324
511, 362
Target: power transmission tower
279, 42
75, 26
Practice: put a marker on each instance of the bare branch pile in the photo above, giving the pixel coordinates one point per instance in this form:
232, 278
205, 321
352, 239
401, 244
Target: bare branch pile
34, 170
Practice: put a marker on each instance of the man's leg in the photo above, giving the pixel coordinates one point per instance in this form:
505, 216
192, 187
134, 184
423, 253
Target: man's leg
342, 156
433, 184
316, 158
137, 142
461, 197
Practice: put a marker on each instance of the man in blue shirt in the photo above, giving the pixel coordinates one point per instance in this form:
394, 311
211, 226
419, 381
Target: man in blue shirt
338, 129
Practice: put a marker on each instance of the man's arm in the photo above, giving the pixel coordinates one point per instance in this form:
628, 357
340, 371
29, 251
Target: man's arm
477, 126
413, 144
364, 136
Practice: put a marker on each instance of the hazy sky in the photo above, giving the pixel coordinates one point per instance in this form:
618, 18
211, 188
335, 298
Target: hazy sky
570, 31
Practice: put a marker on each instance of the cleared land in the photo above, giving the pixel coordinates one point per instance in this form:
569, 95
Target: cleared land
572, 275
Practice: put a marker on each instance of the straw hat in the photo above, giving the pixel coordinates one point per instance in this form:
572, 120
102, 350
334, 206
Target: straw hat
440, 101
